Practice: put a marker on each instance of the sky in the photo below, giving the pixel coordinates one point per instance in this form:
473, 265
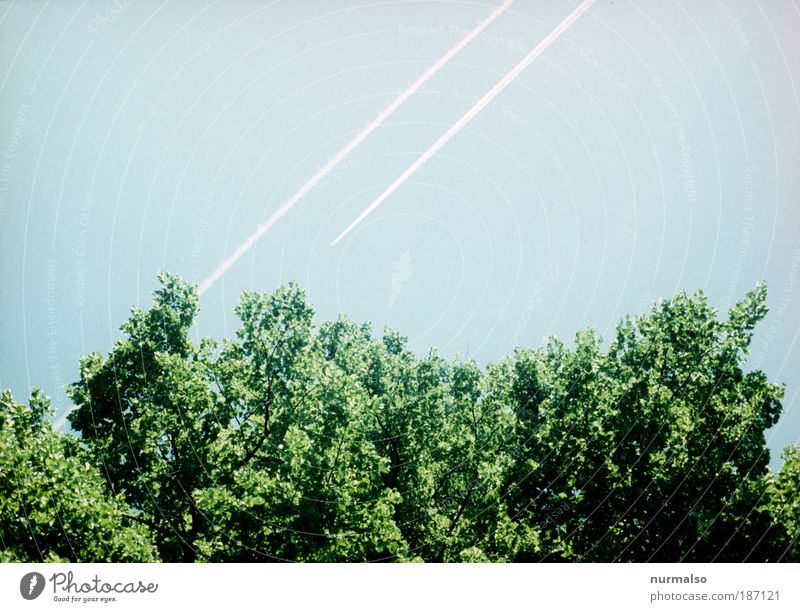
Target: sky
652, 149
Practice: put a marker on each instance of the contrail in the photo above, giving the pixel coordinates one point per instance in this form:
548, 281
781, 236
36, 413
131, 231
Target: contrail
349, 147
501, 85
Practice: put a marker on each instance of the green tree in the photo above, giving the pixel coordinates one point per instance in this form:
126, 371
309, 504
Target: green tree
147, 415
305, 479
54, 505
652, 451
292, 441
255, 449
783, 502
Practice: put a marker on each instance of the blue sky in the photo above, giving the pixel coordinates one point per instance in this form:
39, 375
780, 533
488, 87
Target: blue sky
654, 148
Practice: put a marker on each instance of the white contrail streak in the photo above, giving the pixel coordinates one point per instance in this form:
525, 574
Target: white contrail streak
349, 147
478, 107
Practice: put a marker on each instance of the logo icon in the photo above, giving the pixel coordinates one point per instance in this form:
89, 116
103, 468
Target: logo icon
31, 585
401, 271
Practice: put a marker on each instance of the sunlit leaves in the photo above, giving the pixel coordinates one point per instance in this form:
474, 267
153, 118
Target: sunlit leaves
326, 442
54, 505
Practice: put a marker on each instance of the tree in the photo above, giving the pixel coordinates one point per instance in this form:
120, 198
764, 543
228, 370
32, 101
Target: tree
305, 479
783, 502
292, 441
54, 506
147, 414
653, 451
249, 451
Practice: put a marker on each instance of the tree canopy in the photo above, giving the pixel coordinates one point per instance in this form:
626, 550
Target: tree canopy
54, 504
304, 442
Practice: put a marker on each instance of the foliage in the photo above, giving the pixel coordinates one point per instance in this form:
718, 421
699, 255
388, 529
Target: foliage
54, 506
783, 502
652, 451
292, 441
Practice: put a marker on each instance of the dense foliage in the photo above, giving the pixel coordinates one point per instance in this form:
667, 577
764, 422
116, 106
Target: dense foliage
54, 505
296, 442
